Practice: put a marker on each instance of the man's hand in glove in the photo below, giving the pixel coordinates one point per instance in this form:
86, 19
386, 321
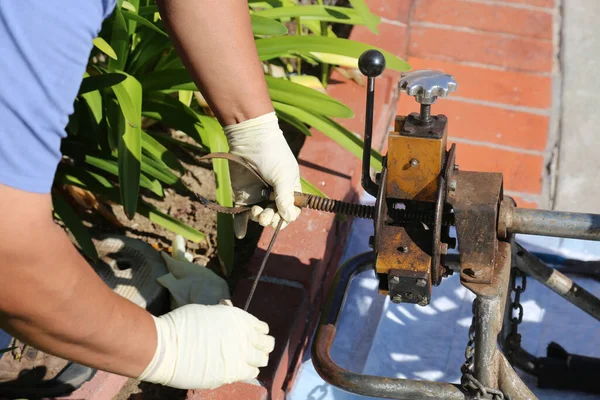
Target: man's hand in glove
260, 141
203, 347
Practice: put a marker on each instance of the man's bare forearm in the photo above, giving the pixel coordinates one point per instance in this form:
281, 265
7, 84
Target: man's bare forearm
214, 39
53, 300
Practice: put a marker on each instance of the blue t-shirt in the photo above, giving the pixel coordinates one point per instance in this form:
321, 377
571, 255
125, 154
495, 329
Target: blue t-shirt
44, 49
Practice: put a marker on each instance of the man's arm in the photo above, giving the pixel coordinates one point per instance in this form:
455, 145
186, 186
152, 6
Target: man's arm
49, 296
52, 299
215, 41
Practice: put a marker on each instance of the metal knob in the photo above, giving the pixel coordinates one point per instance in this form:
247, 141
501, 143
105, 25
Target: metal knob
426, 86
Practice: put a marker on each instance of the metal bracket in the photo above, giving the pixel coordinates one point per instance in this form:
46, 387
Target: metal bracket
475, 197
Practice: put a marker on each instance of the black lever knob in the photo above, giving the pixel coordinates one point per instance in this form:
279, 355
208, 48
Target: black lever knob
371, 63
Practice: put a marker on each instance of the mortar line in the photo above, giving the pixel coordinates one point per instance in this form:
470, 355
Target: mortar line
504, 106
392, 22
529, 7
476, 64
496, 146
425, 24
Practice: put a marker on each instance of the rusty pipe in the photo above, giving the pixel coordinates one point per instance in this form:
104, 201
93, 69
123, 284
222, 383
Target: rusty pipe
548, 223
366, 385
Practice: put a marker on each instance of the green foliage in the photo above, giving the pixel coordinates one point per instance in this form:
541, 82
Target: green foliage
135, 78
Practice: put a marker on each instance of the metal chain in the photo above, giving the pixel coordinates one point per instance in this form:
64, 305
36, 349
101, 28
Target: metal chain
514, 337
468, 380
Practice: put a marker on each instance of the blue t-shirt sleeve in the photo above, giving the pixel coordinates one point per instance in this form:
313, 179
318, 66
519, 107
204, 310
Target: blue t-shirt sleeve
44, 47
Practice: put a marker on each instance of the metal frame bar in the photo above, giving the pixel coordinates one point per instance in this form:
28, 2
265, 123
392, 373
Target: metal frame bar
366, 385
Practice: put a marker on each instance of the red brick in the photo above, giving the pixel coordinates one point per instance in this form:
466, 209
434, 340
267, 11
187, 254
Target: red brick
479, 47
487, 123
522, 172
539, 3
486, 17
233, 391
391, 37
396, 10
354, 96
285, 309
505, 87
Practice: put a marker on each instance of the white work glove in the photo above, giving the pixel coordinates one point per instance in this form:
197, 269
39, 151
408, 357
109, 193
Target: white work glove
260, 141
190, 283
204, 347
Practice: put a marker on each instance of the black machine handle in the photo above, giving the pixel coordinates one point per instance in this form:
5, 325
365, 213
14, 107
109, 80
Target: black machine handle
371, 63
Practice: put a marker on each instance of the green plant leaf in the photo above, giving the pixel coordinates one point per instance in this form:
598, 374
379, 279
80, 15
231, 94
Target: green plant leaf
155, 149
102, 187
168, 79
129, 95
340, 15
295, 122
288, 92
119, 41
185, 96
147, 53
333, 130
262, 26
125, 5
74, 225
371, 20
104, 47
275, 47
112, 167
130, 16
94, 103
158, 170
309, 188
170, 223
225, 233
96, 82
132, 7
172, 112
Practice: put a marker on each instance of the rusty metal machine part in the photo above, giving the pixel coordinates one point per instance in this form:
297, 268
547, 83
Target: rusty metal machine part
419, 177
409, 254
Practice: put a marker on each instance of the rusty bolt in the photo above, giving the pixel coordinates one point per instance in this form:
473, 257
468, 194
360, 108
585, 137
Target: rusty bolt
414, 162
423, 302
421, 282
452, 186
397, 299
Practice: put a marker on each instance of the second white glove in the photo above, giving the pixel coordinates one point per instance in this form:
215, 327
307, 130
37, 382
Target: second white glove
204, 347
260, 141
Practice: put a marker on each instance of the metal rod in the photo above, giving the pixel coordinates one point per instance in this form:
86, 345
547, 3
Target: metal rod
554, 223
486, 333
262, 265
367, 183
366, 385
425, 112
558, 282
